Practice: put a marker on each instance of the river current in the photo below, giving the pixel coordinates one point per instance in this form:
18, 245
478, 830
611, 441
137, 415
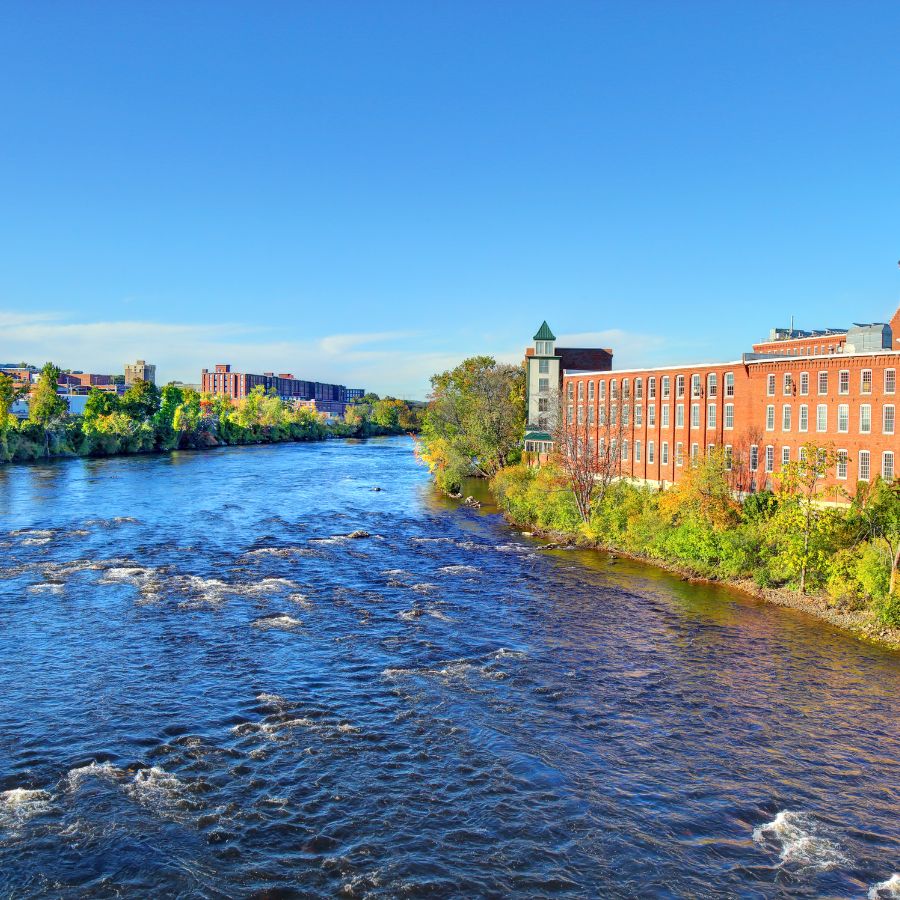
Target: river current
207, 689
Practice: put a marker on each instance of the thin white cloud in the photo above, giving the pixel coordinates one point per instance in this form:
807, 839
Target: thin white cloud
342, 344
389, 362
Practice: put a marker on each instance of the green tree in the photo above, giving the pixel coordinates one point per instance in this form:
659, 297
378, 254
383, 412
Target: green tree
46, 407
99, 404
805, 521
141, 401
9, 393
475, 420
386, 413
878, 508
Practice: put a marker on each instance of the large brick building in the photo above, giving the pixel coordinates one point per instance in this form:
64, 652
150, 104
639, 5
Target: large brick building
830, 387
329, 398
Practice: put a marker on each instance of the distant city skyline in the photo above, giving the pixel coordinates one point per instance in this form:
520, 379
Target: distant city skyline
366, 194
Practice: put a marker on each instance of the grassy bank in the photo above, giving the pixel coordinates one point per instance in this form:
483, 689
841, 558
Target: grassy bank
768, 545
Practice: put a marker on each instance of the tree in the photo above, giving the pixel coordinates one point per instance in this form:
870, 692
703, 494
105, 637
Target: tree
878, 507
576, 455
704, 493
46, 407
799, 505
9, 393
141, 401
99, 404
475, 420
386, 413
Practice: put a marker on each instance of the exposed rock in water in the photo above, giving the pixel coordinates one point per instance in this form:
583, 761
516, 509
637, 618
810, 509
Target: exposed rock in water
376, 489
359, 534
472, 502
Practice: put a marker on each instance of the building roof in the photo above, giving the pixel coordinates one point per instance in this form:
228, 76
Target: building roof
544, 333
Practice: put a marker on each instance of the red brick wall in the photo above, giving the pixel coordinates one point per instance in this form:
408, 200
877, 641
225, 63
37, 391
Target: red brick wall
750, 402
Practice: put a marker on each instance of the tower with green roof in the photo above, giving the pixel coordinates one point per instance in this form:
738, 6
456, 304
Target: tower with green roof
544, 367
542, 380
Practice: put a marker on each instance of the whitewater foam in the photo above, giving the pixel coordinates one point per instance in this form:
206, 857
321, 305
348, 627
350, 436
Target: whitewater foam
458, 570
886, 890
283, 622
803, 842
21, 804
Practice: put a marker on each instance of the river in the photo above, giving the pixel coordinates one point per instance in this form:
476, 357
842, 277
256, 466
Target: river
207, 690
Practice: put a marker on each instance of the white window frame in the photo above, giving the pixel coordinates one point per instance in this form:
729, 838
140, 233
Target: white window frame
888, 427
864, 466
888, 473
865, 409
770, 417
843, 418
842, 465
786, 415
729, 384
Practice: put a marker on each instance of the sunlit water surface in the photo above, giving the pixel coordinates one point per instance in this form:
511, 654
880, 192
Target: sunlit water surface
206, 690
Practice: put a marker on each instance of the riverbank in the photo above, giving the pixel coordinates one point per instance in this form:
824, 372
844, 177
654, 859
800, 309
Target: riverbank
61, 449
752, 547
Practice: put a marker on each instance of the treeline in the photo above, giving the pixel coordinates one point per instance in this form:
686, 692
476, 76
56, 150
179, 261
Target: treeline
146, 418
794, 537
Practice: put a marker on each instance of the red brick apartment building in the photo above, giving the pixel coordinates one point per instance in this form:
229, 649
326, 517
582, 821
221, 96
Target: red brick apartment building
830, 387
330, 398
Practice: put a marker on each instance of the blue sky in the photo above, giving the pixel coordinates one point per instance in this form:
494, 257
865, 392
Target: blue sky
368, 192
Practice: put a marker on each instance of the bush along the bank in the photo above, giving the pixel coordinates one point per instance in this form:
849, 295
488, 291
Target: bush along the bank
146, 419
789, 538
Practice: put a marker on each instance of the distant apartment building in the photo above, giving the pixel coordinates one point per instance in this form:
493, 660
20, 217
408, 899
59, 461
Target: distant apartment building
140, 370
354, 394
832, 387
545, 364
329, 398
22, 376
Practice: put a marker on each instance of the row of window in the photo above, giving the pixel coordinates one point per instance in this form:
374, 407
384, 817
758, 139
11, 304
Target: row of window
665, 385
864, 460
712, 385
888, 416
843, 418
865, 382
